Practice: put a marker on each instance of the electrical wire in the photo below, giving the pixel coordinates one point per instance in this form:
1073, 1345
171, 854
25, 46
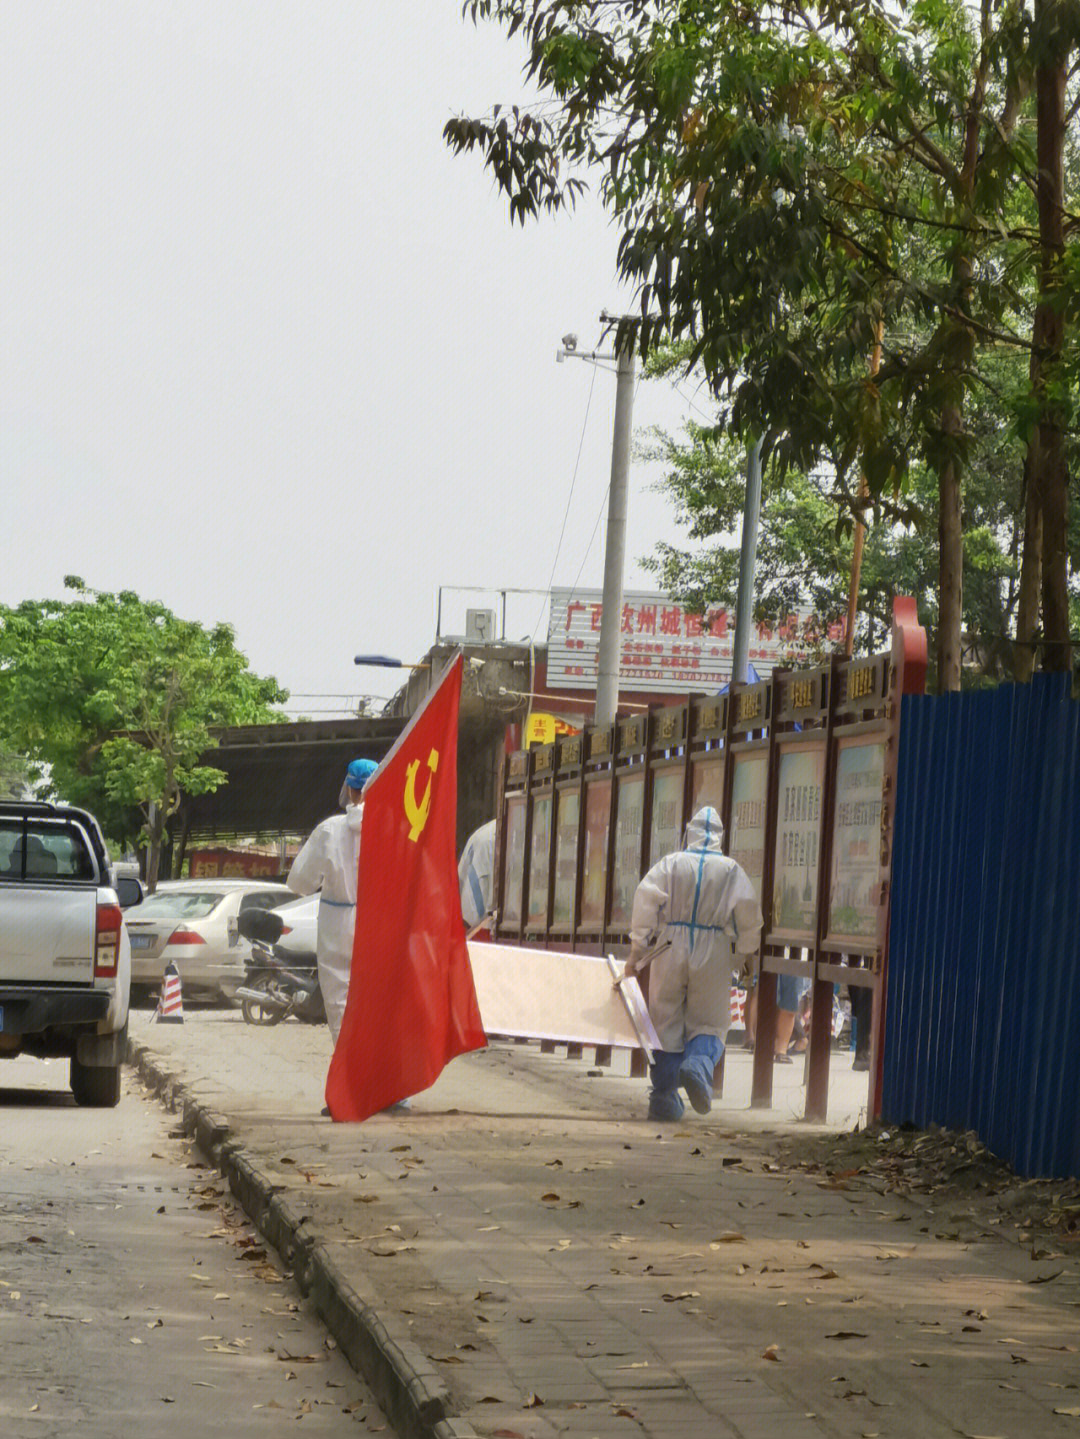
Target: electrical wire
600, 515
569, 498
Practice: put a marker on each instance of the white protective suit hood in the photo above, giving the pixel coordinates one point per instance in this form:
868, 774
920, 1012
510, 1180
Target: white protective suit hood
705, 832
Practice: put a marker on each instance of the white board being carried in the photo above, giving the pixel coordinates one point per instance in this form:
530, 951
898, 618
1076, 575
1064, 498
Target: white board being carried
549, 994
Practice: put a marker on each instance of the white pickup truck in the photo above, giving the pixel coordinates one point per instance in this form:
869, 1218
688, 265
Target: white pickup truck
65, 958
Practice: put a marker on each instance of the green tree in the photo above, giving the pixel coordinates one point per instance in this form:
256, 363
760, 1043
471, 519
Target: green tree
118, 696
793, 182
804, 555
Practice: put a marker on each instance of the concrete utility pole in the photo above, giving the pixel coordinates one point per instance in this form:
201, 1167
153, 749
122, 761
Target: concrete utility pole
607, 664
744, 605
607, 660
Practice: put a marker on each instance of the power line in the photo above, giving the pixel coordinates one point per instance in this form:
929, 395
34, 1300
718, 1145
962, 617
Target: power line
570, 496
600, 514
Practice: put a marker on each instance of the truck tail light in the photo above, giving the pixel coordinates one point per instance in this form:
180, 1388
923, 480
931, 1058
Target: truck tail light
107, 940
285, 929
185, 936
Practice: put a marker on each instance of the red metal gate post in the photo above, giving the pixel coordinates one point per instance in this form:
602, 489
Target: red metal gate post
761, 1084
907, 676
817, 1085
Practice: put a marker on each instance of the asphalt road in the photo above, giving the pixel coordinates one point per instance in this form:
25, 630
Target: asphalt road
134, 1295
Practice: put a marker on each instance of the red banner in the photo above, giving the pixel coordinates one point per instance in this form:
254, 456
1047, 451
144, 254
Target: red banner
411, 1005
232, 864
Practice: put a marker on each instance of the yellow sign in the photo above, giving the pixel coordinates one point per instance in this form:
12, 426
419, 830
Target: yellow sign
417, 814
542, 728
539, 729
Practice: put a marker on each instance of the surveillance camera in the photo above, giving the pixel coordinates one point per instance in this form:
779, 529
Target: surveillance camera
570, 341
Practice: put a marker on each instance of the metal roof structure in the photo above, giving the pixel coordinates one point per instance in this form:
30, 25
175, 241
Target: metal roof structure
282, 778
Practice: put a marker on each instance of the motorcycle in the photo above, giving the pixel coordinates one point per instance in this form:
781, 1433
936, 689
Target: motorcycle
277, 982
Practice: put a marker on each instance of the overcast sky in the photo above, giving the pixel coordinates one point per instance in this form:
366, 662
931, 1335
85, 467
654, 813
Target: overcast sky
271, 354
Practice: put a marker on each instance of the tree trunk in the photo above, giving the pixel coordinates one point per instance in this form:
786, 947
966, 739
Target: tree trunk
161, 813
950, 567
959, 354
153, 858
1048, 336
1027, 603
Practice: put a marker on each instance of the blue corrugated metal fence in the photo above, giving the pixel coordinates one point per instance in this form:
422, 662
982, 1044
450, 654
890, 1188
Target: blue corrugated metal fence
983, 1006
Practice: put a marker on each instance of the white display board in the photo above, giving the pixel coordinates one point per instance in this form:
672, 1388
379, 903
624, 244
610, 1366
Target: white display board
549, 994
663, 648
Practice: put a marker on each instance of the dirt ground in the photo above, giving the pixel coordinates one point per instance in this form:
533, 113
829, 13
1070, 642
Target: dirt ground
954, 1174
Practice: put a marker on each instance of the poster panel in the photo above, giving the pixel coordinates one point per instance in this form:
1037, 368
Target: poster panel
749, 791
798, 838
594, 874
540, 862
233, 864
631, 809
707, 785
666, 649
855, 881
567, 813
515, 860
665, 831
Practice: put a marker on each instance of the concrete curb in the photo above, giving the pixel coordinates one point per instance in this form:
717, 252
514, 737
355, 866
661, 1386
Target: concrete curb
408, 1388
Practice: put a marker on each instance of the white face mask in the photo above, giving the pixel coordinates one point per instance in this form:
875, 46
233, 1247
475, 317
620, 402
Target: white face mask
354, 813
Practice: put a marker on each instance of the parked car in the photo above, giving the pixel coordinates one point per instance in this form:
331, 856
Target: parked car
300, 919
193, 923
64, 953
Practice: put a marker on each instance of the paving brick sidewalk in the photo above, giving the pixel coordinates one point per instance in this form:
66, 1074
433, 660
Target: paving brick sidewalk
530, 1257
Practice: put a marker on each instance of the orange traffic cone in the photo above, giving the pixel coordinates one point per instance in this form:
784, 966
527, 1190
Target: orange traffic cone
170, 1008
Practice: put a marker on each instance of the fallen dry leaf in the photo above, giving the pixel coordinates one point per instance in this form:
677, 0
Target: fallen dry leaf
773, 1353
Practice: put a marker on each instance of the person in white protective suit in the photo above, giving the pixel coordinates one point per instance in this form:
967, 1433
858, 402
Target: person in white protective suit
704, 905
475, 871
328, 862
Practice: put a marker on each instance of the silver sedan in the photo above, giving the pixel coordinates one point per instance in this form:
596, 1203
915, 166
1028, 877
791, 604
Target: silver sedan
194, 924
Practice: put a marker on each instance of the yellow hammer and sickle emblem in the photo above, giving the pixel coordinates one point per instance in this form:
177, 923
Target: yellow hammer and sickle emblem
417, 814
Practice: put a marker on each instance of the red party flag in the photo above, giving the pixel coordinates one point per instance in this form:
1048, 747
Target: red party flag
412, 1005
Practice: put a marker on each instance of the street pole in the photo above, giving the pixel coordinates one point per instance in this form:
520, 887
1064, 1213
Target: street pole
747, 560
607, 667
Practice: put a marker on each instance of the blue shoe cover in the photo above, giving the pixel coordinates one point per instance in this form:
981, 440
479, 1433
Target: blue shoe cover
698, 1088
665, 1105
